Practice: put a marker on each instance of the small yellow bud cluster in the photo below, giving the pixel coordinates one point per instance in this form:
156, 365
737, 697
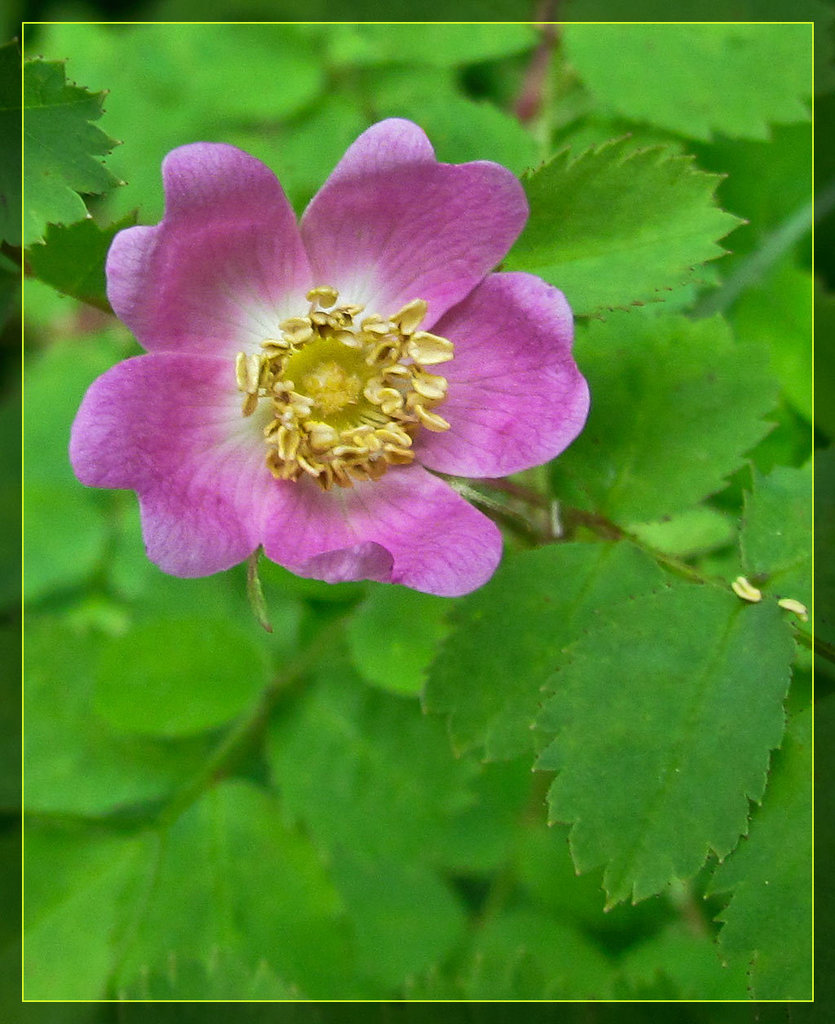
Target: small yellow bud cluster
347, 394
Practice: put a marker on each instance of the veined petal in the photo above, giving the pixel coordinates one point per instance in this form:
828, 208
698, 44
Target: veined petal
391, 224
225, 265
169, 426
408, 527
516, 398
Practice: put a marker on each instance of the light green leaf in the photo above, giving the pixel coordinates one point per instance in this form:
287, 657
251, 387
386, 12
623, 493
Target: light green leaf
74, 763
72, 260
10, 143
693, 532
617, 226
220, 973
440, 44
55, 506
697, 80
675, 405
52, 514
507, 636
778, 314
229, 874
768, 923
76, 885
393, 636
661, 736
178, 676
61, 147
459, 128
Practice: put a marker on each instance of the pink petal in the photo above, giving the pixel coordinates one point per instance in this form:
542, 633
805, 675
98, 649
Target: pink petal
225, 265
408, 527
391, 224
169, 426
516, 398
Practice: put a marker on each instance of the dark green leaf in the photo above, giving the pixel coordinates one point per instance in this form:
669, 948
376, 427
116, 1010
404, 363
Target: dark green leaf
768, 923
617, 226
675, 405
508, 636
62, 148
230, 874
72, 260
10, 114
776, 537
665, 712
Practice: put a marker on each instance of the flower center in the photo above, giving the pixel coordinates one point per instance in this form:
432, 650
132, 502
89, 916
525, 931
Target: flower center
347, 395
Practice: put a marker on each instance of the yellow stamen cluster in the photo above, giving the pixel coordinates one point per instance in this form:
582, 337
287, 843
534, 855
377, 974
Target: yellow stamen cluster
347, 393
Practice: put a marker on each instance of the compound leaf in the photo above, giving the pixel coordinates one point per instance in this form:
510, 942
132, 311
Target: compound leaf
617, 225
663, 737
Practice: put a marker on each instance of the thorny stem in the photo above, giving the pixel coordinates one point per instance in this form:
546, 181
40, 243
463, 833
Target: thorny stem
530, 100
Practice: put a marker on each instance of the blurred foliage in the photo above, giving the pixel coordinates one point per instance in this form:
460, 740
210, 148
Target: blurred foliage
273, 817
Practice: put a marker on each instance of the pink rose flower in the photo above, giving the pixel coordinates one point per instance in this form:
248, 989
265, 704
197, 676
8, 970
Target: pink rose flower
303, 380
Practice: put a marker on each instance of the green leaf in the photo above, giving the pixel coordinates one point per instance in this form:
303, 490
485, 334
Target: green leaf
404, 916
439, 44
52, 513
74, 762
173, 84
697, 80
688, 961
768, 923
382, 816
489, 674
61, 147
526, 954
675, 405
776, 537
10, 114
662, 736
55, 506
690, 533
393, 636
778, 314
459, 128
617, 226
72, 260
76, 883
230, 874
217, 975
178, 676
397, 786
